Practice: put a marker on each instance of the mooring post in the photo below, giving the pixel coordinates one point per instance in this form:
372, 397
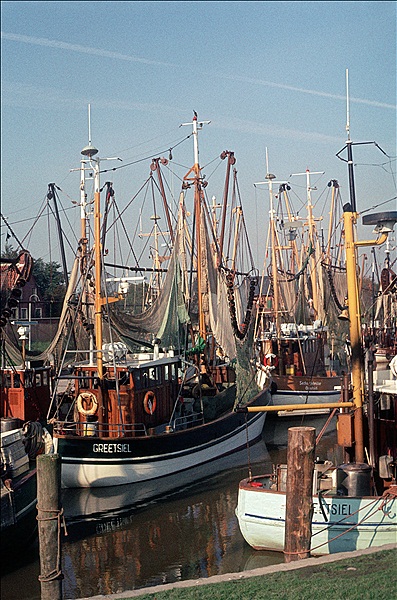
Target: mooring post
49, 525
299, 497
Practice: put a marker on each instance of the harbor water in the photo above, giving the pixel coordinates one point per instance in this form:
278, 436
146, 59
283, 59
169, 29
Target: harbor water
125, 538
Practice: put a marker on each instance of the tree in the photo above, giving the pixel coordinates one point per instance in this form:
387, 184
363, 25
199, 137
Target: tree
9, 251
50, 282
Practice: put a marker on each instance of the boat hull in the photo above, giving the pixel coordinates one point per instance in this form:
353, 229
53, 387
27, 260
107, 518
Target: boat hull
294, 390
18, 515
306, 387
102, 462
339, 523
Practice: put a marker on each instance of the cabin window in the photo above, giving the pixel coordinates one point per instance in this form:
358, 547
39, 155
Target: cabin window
7, 380
155, 376
29, 379
24, 314
85, 382
17, 380
137, 379
145, 378
45, 378
174, 371
124, 378
170, 372
38, 380
141, 378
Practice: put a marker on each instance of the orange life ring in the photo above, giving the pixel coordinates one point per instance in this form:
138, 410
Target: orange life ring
270, 360
149, 403
90, 402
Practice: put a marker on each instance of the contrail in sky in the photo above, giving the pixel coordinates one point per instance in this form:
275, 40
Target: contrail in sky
26, 39
14, 37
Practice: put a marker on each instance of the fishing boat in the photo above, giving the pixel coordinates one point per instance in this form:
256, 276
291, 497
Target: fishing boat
354, 503
384, 322
296, 327
25, 395
20, 444
25, 389
130, 416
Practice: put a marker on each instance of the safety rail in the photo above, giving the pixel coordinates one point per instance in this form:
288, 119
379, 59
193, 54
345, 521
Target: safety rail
188, 421
91, 429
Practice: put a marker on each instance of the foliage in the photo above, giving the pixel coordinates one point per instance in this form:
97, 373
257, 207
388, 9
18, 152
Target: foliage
49, 280
9, 251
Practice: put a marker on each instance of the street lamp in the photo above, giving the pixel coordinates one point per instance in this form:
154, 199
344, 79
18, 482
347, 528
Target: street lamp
22, 331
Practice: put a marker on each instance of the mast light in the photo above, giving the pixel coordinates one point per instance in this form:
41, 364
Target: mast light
89, 151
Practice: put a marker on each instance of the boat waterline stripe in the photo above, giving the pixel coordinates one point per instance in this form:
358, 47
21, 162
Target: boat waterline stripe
325, 524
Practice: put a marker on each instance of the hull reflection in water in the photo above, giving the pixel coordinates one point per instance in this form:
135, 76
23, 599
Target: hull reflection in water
190, 534
193, 534
92, 504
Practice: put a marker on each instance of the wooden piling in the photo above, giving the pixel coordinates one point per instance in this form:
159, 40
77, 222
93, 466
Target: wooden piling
49, 525
299, 496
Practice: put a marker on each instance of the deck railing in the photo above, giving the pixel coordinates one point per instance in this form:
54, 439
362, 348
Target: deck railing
91, 429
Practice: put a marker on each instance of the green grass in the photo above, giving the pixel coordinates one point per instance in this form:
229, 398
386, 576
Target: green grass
369, 577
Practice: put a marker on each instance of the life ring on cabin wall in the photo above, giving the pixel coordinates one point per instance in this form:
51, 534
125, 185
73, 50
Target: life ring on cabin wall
270, 360
150, 402
87, 404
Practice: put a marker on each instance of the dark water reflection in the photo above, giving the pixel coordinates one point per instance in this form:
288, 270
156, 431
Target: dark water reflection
186, 535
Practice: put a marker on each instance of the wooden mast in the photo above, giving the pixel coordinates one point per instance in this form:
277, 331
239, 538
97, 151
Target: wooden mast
313, 242
198, 198
90, 151
270, 179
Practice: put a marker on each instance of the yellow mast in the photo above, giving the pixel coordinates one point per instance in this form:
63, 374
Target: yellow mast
350, 219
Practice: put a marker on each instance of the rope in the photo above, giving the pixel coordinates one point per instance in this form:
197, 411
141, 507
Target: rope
232, 306
332, 287
328, 421
57, 572
248, 448
33, 438
386, 496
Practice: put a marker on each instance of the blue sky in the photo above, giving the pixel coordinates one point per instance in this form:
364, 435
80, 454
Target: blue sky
266, 74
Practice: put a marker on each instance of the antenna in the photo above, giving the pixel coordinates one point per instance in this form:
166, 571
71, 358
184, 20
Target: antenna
89, 124
267, 162
347, 105
349, 149
89, 150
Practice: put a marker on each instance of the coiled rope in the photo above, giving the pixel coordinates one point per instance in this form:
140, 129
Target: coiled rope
33, 439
